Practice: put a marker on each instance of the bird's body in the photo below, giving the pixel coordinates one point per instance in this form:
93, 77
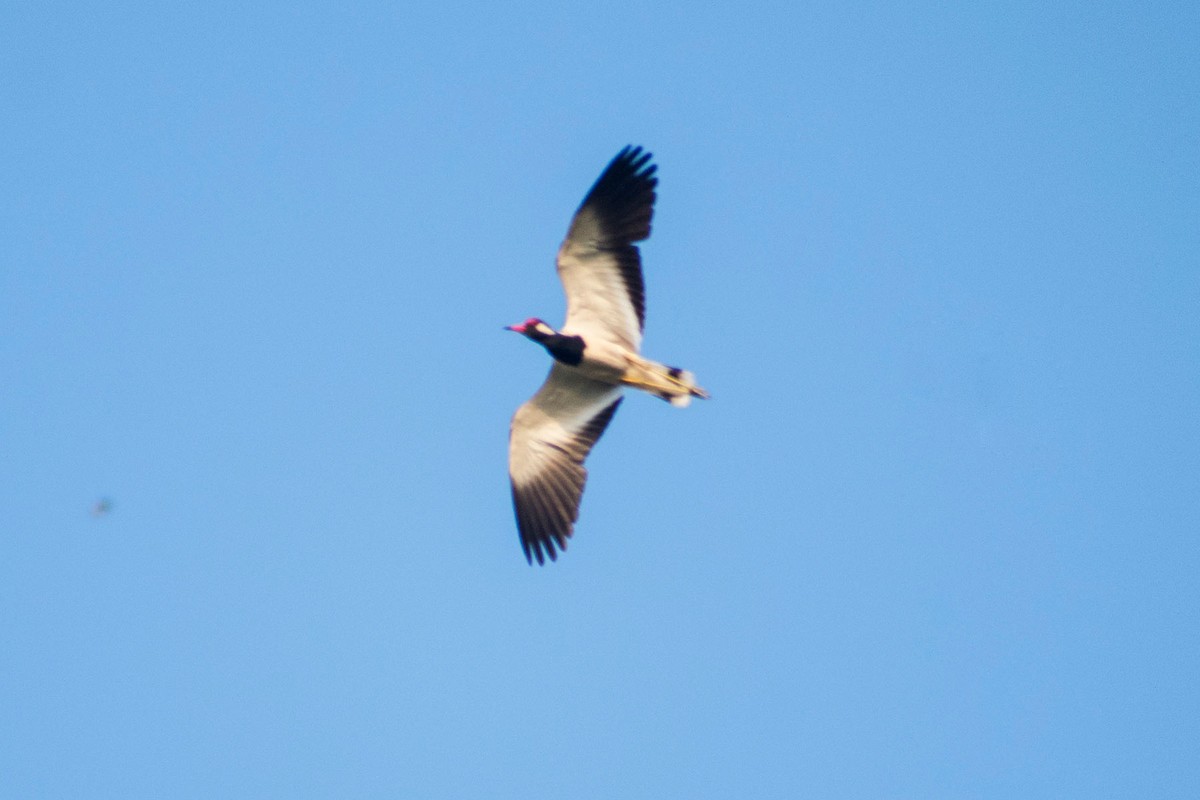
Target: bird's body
596, 355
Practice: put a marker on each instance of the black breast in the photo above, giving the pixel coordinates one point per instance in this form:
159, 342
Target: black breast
567, 349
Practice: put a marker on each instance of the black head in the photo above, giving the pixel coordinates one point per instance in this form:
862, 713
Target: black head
567, 349
533, 328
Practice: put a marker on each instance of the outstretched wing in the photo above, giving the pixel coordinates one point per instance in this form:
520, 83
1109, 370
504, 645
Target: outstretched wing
551, 435
598, 263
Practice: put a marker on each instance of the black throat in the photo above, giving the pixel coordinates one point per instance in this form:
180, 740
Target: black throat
567, 349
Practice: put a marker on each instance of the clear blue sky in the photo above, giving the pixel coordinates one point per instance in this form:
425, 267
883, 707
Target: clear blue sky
936, 535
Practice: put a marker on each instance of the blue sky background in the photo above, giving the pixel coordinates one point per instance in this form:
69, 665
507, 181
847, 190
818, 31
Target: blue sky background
935, 536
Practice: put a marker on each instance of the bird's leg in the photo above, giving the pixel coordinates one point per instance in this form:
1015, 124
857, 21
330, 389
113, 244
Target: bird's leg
641, 384
635, 374
651, 377
674, 375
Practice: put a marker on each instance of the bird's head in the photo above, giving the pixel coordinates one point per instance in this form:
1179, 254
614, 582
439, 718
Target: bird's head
533, 328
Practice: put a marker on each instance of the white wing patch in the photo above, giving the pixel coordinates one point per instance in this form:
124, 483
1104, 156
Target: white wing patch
599, 264
598, 305
550, 437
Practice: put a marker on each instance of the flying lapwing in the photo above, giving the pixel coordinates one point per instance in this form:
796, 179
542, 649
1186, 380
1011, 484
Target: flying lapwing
596, 355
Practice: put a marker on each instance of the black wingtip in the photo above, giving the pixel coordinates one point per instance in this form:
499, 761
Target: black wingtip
633, 163
629, 177
633, 154
540, 549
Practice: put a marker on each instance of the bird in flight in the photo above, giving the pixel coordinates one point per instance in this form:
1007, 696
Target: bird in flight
596, 355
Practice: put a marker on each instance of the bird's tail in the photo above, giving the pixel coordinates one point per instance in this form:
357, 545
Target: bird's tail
676, 386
